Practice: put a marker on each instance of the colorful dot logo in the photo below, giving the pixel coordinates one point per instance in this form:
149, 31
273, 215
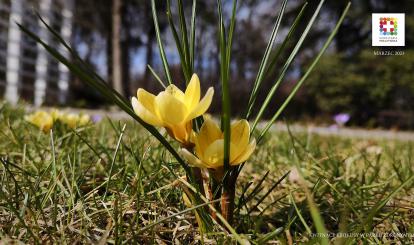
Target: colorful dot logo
388, 29
388, 26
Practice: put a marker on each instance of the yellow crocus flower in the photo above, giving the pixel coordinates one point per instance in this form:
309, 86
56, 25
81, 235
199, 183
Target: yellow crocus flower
209, 145
56, 114
41, 119
84, 119
173, 109
70, 119
74, 120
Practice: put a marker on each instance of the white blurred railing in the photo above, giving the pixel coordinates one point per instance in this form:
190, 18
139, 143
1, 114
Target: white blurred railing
26, 70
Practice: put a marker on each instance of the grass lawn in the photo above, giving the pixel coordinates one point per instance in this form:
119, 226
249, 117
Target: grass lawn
113, 183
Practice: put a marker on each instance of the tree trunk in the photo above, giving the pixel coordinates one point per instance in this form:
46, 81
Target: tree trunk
109, 56
116, 46
126, 43
148, 57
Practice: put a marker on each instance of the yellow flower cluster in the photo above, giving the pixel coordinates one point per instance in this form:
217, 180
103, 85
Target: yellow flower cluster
42, 119
45, 120
174, 110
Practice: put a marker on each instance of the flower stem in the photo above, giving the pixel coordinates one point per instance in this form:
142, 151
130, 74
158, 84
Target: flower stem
227, 201
207, 190
198, 178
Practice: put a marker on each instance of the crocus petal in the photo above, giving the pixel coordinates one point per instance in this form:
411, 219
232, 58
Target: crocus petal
84, 119
46, 128
209, 132
246, 154
203, 105
240, 133
147, 100
171, 110
144, 113
191, 159
70, 120
56, 114
214, 154
175, 91
180, 132
192, 93
41, 119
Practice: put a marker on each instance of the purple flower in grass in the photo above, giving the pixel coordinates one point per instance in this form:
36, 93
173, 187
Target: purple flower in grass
96, 118
341, 119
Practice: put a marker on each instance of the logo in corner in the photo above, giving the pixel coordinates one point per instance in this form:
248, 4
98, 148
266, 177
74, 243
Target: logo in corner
388, 29
388, 26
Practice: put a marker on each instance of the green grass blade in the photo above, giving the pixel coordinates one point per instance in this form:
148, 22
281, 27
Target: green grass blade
317, 218
21, 219
156, 76
368, 221
160, 45
281, 47
299, 214
242, 197
183, 30
315, 214
311, 67
260, 74
350, 206
286, 65
267, 237
176, 214
268, 192
54, 175
118, 144
225, 96
254, 192
178, 44
192, 35
230, 37
219, 216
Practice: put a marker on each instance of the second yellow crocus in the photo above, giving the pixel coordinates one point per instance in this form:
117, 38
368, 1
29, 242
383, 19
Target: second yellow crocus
209, 145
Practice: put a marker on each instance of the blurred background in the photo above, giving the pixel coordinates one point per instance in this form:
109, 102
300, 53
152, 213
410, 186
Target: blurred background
351, 85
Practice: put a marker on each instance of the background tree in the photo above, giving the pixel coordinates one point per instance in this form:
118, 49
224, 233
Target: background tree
116, 46
352, 79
